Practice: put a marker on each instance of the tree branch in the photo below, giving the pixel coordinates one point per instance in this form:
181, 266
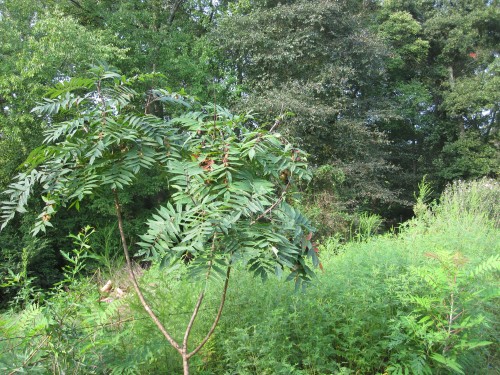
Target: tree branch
273, 206
200, 298
191, 321
217, 317
138, 290
173, 11
80, 6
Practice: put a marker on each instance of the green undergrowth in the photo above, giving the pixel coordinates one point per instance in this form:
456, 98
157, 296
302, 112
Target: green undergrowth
424, 301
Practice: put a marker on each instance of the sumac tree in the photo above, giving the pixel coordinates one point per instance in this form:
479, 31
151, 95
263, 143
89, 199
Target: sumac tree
227, 203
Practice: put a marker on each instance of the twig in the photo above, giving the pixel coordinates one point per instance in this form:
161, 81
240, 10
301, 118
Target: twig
30, 356
273, 206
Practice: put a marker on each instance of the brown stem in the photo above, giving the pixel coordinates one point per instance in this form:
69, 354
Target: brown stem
185, 364
200, 300
217, 317
133, 279
273, 205
191, 321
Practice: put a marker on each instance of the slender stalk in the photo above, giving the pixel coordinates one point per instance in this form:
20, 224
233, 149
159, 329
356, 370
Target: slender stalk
185, 364
32, 354
198, 303
133, 279
217, 317
185, 357
191, 321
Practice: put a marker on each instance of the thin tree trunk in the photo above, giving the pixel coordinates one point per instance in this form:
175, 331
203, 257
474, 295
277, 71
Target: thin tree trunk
183, 350
185, 364
217, 317
133, 279
191, 321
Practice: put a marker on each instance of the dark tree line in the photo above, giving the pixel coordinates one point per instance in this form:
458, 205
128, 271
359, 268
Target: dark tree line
380, 93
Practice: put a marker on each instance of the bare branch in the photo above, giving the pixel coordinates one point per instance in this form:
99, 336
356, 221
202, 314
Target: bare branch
200, 298
191, 321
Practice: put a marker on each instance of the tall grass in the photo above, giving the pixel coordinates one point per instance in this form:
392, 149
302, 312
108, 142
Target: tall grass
422, 302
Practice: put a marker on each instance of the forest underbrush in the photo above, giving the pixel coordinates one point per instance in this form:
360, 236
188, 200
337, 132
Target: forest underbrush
424, 301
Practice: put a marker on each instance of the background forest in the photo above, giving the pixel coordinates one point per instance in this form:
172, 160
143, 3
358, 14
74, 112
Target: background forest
390, 99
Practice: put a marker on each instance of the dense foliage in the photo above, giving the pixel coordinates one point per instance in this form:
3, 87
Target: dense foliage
422, 302
380, 94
